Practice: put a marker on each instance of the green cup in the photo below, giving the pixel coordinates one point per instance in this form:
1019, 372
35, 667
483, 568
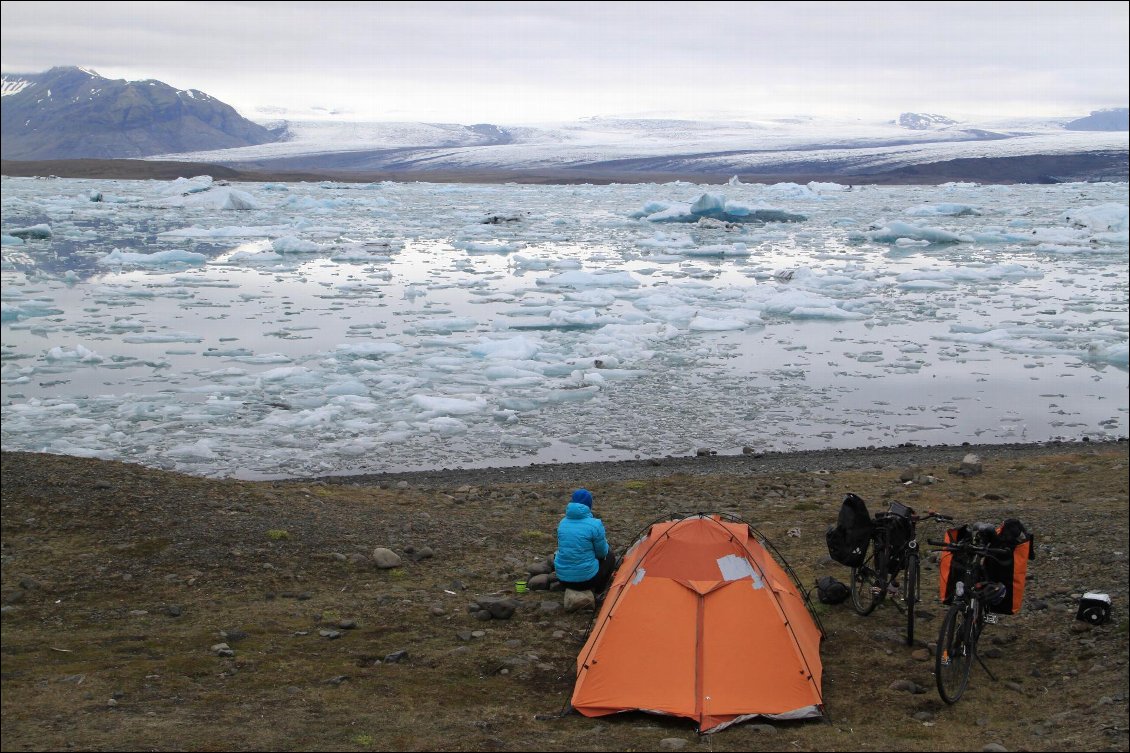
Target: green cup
521, 587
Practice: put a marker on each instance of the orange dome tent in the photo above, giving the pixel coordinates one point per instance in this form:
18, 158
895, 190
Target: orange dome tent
700, 621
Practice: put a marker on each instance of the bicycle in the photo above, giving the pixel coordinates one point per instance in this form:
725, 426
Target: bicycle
893, 548
969, 612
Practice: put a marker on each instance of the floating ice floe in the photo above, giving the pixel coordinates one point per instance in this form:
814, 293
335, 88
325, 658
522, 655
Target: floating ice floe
488, 247
35, 232
1105, 218
220, 198
943, 209
117, 258
185, 186
713, 206
892, 232
293, 245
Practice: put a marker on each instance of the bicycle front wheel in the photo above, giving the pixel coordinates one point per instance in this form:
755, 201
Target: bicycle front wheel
910, 592
955, 653
868, 584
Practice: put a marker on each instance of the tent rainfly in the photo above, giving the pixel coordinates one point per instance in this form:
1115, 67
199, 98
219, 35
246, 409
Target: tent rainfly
701, 622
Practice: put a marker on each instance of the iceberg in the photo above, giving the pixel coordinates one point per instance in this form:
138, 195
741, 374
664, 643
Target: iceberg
713, 206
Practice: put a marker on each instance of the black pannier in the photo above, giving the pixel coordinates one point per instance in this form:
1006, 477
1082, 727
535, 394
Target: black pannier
849, 537
1013, 571
898, 521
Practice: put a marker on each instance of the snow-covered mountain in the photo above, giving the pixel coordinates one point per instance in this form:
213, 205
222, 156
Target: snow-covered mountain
917, 121
71, 113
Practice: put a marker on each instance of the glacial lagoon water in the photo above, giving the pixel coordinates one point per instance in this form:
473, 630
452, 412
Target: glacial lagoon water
274, 330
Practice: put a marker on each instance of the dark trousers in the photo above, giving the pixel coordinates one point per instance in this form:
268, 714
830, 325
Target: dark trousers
598, 582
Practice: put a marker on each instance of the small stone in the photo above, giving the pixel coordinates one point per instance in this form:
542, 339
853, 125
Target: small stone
385, 558
578, 600
908, 686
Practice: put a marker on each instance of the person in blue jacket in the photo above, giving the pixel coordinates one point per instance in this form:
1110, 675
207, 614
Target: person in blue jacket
583, 561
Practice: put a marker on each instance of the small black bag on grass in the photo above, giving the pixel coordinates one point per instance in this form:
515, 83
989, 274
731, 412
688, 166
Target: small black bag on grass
849, 537
831, 591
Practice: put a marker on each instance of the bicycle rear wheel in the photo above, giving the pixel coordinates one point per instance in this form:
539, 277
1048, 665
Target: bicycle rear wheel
869, 583
910, 593
955, 653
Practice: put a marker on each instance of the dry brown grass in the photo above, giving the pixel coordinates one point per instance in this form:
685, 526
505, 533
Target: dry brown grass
92, 660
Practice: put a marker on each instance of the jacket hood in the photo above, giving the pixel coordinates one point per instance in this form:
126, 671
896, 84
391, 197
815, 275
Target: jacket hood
577, 511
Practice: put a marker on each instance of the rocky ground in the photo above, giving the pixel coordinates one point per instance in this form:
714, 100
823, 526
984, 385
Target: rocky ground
150, 610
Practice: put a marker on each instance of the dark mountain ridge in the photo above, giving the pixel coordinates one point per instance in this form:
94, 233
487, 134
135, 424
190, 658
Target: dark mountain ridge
74, 113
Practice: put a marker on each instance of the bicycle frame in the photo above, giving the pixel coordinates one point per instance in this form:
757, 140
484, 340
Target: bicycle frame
878, 576
966, 618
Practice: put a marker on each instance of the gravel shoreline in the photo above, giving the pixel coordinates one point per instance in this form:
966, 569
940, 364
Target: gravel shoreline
707, 465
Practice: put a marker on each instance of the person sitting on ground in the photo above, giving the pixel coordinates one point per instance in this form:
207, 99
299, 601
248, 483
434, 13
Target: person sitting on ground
583, 561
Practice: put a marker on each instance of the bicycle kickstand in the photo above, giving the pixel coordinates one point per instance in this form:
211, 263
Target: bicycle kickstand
986, 668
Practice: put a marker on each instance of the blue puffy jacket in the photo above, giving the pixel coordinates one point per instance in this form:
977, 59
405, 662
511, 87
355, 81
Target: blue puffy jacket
581, 544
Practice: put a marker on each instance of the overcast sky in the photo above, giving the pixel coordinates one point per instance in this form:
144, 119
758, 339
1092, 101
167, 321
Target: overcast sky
519, 62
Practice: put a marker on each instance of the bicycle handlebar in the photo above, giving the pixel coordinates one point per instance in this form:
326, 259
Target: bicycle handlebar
968, 546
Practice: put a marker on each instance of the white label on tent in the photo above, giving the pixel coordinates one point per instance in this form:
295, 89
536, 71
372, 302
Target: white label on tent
638, 576
734, 567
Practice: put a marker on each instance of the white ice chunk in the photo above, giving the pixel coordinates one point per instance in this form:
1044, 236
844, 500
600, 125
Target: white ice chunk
117, 258
293, 245
892, 231
79, 353
185, 186
449, 406
943, 210
514, 348
1104, 218
580, 279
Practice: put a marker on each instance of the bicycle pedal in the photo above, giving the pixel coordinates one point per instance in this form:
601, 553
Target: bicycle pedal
990, 619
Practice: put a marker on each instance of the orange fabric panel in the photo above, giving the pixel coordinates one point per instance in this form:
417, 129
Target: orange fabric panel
945, 562
691, 551
643, 656
1020, 574
751, 661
